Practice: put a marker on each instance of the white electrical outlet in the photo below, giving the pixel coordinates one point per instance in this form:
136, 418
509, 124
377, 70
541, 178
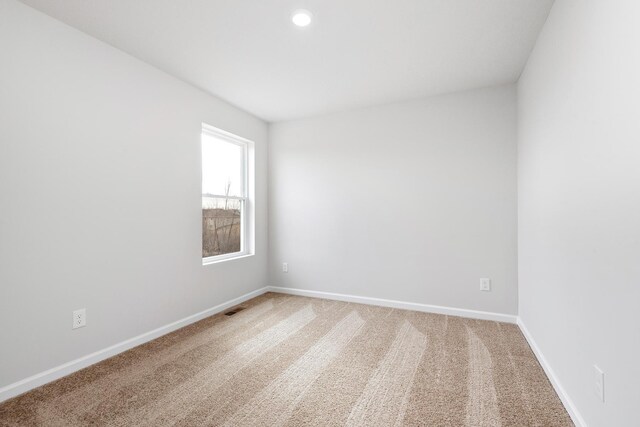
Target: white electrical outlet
485, 284
79, 318
285, 267
598, 377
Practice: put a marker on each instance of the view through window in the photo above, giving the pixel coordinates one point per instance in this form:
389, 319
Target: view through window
224, 194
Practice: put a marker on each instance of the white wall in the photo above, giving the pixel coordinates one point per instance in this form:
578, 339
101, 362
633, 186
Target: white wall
413, 201
579, 203
100, 195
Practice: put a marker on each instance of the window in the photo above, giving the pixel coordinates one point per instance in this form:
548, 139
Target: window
227, 212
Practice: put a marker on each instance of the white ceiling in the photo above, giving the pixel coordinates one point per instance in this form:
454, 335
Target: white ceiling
355, 53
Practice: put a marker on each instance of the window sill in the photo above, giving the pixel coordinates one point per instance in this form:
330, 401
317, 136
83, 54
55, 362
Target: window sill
217, 260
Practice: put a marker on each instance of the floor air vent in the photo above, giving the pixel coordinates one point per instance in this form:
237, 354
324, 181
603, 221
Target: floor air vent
234, 311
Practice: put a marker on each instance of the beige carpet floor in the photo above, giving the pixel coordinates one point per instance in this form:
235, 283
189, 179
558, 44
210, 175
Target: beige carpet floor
294, 361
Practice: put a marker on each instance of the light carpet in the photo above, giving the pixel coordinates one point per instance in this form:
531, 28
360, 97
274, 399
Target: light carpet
295, 361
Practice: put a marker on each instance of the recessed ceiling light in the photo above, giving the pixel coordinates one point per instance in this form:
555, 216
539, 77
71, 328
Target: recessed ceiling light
301, 18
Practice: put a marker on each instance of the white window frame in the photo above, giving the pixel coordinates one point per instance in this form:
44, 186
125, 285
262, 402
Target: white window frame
247, 211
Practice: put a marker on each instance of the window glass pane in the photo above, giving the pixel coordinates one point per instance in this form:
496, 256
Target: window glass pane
222, 167
221, 226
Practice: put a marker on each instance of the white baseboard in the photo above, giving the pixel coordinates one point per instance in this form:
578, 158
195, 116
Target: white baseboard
562, 394
427, 308
53, 374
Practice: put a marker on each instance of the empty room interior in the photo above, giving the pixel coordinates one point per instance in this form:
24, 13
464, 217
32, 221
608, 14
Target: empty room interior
320, 213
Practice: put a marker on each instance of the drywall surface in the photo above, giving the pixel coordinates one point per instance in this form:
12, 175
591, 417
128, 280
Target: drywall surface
579, 203
411, 202
100, 195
